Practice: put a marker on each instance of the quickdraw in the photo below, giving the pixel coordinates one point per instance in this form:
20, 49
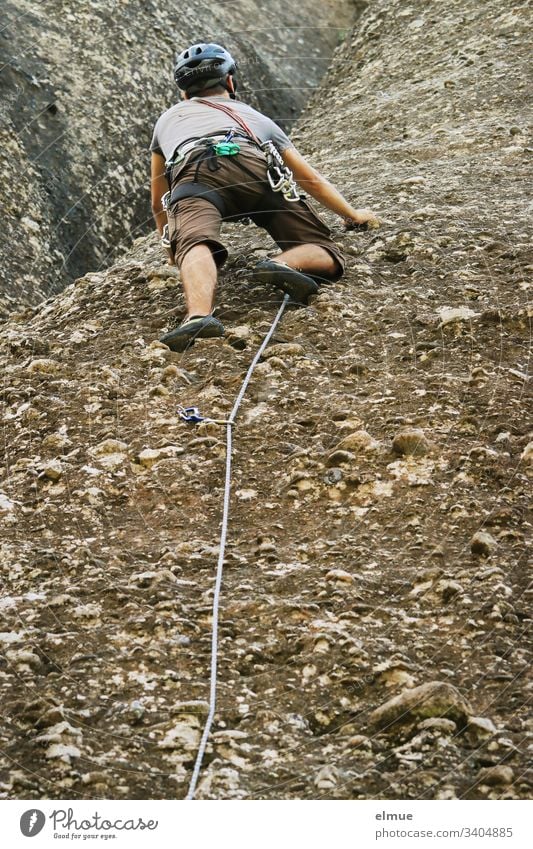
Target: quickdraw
280, 177
192, 415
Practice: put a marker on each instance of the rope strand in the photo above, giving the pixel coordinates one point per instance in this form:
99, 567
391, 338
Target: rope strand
220, 564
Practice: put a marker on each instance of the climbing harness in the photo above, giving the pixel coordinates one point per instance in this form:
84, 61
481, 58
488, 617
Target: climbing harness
192, 415
208, 149
279, 176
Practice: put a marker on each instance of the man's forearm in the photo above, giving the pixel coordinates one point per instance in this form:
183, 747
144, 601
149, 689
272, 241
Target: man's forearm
160, 218
330, 197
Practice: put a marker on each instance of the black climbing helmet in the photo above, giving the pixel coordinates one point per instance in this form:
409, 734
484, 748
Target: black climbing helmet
203, 66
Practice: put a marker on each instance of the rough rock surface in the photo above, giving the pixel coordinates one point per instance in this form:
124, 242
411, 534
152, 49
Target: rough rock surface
80, 88
350, 579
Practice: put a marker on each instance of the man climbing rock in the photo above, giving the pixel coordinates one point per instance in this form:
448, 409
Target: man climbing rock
216, 159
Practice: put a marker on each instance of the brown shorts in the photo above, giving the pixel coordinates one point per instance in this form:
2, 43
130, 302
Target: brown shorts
193, 221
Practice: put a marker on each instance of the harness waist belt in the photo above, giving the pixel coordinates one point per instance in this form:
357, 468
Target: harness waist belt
183, 150
192, 190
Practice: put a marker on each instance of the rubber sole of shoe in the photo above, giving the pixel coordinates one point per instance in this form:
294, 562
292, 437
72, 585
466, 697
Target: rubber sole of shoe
183, 336
294, 283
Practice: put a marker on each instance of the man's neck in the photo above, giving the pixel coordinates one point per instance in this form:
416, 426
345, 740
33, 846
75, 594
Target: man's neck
224, 94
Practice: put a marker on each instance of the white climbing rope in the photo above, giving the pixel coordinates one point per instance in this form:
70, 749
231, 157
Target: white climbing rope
222, 549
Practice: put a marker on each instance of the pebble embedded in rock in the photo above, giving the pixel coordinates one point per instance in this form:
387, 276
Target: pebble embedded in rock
411, 441
284, 351
339, 575
449, 315
149, 457
360, 440
483, 544
495, 775
527, 453
444, 726
53, 470
434, 699
109, 446
480, 728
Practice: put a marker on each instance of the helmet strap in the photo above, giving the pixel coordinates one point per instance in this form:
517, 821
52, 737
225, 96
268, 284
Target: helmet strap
231, 86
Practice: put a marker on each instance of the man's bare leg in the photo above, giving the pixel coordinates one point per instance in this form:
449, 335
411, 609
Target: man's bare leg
311, 259
199, 278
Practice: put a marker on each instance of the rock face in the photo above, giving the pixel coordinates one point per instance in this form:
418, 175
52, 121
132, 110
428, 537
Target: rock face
81, 86
350, 580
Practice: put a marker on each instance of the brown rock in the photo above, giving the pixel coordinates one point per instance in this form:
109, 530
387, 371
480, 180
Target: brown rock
436, 698
494, 775
411, 441
483, 544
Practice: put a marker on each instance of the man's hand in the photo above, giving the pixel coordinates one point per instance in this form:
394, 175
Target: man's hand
363, 219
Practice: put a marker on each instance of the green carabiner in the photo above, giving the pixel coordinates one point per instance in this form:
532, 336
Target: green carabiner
226, 148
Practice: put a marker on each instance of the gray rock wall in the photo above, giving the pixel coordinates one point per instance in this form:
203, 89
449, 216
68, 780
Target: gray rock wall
80, 87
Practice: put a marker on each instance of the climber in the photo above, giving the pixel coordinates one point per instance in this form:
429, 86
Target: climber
223, 160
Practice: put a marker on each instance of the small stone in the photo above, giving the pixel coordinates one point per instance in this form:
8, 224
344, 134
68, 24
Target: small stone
494, 775
94, 778
333, 476
445, 726
434, 699
136, 711
360, 440
359, 741
149, 457
326, 779
479, 728
24, 658
246, 494
449, 590
336, 458
112, 462
291, 349
43, 366
276, 363
86, 611
6, 505
109, 446
483, 544
63, 752
411, 441
182, 735
35, 227
527, 453
53, 470
55, 441
414, 181
448, 315
8, 637
339, 575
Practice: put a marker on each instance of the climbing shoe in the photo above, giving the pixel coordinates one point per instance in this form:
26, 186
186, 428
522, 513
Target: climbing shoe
195, 327
296, 284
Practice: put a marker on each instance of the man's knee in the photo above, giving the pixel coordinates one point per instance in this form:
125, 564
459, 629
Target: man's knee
184, 250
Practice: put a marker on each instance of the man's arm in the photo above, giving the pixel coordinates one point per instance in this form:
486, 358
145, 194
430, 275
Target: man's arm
321, 190
159, 185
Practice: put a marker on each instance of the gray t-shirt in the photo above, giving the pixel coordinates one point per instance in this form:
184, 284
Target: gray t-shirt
189, 119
